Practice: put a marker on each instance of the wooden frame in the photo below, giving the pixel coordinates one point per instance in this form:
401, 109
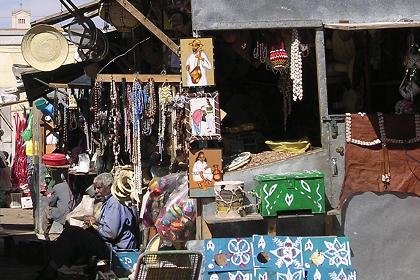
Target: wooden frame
107, 78
203, 109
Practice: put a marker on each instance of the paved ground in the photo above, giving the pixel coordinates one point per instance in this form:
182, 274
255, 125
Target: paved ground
24, 258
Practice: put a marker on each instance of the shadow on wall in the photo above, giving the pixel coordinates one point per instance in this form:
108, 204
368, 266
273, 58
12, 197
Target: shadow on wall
383, 229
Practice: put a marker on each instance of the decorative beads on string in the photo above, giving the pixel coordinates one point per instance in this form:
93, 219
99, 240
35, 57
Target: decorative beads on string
138, 102
383, 138
165, 98
260, 52
115, 116
296, 67
97, 91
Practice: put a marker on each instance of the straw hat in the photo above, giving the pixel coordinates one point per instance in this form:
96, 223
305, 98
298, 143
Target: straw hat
196, 43
44, 47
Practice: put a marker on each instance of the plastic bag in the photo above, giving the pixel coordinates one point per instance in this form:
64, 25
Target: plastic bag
159, 191
176, 222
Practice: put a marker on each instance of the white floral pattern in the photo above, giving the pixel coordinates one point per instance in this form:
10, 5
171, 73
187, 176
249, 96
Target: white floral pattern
337, 253
309, 245
240, 252
297, 275
288, 253
239, 276
343, 276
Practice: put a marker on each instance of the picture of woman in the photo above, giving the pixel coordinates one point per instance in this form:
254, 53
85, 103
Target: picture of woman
201, 172
197, 117
205, 168
202, 117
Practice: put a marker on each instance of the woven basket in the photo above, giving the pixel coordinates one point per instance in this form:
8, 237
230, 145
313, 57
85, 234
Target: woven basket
113, 13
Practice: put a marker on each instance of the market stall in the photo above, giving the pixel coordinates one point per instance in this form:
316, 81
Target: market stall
224, 142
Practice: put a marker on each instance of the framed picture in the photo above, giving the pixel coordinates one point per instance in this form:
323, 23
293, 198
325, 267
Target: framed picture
205, 168
197, 67
203, 116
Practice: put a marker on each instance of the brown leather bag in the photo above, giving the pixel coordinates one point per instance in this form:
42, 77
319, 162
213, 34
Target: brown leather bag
196, 73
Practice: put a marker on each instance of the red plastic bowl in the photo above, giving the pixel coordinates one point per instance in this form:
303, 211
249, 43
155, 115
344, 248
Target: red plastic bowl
55, 159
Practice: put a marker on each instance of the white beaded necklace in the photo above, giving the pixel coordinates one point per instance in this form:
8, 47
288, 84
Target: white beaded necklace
115, 115
165, 97
349, 138
296, 67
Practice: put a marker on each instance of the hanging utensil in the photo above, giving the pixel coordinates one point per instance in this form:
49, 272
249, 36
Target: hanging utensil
82, 31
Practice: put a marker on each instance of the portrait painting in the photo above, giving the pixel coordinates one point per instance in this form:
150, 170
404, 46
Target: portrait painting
205, 168
197, 67
203, 116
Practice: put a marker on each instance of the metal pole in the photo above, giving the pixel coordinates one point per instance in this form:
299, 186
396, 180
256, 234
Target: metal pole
36, 168
322, 83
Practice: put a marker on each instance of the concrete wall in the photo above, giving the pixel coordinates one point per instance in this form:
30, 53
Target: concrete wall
21, 20
384, 233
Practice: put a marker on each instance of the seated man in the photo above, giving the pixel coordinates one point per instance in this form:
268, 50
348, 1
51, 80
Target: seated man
116, 227
90, 205
59, 203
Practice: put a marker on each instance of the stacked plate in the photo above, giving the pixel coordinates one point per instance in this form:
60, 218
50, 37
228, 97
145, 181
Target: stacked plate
44, 47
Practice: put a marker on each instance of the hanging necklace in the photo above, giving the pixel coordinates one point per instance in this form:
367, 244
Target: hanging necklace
179, 104
97, 90
151, 104
64, 102
296, 67
127, 123
137, 105
150, 107
284, 85
165, 97
115, 115
146, 121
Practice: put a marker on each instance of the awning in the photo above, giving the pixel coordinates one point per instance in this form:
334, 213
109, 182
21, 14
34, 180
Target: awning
264, 14
63, 75
367, 26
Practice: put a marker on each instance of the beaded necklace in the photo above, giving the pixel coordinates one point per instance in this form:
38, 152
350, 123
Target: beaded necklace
137, 102
65, 123
151, 104
284, 85
165, 97
97, 90
115, 115
260, 52
146, 121
179, 104
296, 67
149, 107
128, 119
383, 138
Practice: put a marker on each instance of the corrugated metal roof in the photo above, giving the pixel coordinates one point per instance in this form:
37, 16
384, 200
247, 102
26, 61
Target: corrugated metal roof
251, 14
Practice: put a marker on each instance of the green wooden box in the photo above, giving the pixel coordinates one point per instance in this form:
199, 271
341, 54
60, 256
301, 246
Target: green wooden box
304, 190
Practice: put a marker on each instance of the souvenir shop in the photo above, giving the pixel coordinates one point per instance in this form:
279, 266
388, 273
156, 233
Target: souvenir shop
231, 151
